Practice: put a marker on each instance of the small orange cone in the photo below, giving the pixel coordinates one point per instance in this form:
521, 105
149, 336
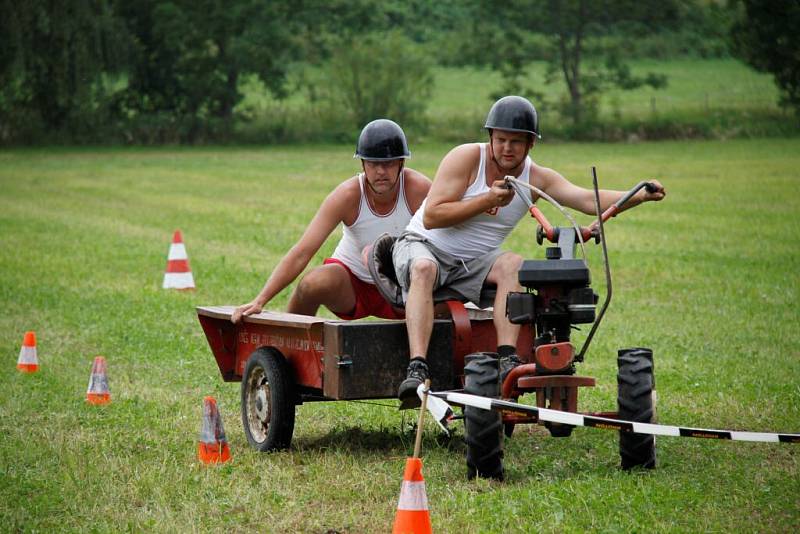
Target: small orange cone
412, 509
178, 275
212, 447
97, 392
27, 361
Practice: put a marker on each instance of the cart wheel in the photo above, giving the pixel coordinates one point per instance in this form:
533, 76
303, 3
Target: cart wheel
635, 402
267, 401
483, 428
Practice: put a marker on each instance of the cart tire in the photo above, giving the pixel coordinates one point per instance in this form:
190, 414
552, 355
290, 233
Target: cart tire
267, 401
483, 428
635, 402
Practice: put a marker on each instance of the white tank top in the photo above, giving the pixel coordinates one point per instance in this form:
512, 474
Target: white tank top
368, 226
482, 233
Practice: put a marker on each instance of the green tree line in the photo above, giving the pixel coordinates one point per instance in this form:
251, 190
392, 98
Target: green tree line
148, 71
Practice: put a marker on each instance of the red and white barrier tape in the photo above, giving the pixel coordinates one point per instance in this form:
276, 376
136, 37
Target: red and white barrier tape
438, 405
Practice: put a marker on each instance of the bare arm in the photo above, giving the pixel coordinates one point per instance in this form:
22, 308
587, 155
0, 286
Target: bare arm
332, 211
445, 206
569, 194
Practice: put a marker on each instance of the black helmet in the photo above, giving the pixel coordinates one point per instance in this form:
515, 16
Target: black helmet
382, 140
515, 114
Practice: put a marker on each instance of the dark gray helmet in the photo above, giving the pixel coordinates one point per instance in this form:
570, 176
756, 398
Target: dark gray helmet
515, 114
382, 140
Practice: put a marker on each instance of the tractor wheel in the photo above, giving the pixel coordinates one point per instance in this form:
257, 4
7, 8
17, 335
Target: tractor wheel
267, 401
483, 428
636, 402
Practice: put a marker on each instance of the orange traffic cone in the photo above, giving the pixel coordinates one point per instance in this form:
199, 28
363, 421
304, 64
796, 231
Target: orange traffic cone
97, 392
27, 361
212, 447
412, 510
178, 275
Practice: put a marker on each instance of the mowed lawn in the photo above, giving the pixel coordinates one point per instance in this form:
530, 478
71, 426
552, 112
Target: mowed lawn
694, 86
708, 279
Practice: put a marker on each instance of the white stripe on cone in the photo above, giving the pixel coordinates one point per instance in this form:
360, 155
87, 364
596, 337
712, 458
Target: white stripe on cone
178, 280
177, 251
27, 356
413, 497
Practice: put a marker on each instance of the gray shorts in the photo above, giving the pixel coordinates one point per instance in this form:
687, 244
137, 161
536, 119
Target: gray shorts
464, 277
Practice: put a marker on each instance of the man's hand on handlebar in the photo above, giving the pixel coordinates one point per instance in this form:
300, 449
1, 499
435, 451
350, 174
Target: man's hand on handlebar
654, 191
501, 193
642, 192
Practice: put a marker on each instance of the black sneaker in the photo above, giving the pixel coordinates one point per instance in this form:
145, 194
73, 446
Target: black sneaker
506, 364
417, 374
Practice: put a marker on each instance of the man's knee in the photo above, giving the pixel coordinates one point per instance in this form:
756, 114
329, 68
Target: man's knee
316, 282
506, 267
309, 284
423, 273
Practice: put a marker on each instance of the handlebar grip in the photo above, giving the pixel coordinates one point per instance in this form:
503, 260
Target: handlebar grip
625, 198
589, 233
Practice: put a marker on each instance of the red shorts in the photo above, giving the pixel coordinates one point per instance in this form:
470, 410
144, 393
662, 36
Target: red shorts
369, 301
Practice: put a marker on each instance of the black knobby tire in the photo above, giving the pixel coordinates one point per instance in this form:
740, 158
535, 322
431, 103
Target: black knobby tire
483, 428
635, 402
267, 401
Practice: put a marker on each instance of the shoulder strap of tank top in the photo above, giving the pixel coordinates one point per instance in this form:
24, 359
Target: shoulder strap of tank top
527, 170
482, 165
362, 198
362, 188
401, 195
480, 176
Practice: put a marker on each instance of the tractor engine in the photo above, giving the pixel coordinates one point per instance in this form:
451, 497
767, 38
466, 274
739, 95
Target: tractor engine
558, 296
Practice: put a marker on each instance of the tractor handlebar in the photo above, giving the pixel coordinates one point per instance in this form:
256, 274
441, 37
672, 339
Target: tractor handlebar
545, 230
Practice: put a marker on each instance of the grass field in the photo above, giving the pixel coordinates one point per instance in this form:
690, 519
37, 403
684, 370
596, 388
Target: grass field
694, 85
708, 279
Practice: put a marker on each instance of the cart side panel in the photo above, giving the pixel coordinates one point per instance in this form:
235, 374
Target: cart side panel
301, 346
368, 360
221, 335
297, 337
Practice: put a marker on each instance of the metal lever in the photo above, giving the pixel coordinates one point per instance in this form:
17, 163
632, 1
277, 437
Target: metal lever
596, 323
